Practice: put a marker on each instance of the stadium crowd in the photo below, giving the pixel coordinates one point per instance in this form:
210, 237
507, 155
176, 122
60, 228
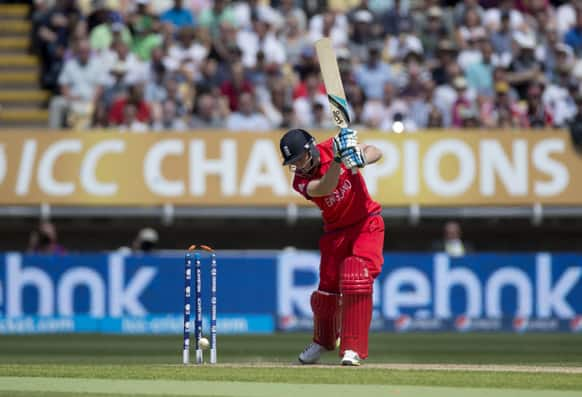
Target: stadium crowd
139, 65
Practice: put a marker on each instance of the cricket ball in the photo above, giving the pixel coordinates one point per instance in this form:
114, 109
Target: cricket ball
204, 343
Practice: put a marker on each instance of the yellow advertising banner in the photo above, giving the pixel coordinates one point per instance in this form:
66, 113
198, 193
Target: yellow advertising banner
227, 169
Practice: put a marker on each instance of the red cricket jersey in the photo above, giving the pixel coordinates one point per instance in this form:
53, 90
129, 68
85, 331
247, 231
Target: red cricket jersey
349, 203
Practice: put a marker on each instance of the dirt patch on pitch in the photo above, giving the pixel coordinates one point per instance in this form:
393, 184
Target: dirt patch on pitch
427, 367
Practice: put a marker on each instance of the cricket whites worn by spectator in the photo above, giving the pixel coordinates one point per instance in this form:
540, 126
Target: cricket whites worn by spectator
351, 246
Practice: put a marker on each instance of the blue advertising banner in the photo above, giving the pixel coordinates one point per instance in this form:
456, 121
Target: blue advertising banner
260, 292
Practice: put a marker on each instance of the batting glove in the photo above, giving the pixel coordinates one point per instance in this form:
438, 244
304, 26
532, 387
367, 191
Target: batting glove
354, 157
346, 138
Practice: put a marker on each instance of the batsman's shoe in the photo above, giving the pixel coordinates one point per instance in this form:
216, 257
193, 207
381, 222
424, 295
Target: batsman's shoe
351, 358
311, 354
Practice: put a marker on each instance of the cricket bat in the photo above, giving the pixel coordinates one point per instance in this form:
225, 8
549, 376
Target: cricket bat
333, 83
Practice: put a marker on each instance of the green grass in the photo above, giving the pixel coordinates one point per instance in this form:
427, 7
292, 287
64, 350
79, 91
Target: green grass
158, 358
469, 348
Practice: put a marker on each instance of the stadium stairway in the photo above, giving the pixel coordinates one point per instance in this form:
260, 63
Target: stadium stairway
22, 103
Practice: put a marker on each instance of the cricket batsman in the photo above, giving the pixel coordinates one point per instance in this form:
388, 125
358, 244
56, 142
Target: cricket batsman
352, 243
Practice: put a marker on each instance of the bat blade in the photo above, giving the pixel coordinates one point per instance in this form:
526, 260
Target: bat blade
333, 82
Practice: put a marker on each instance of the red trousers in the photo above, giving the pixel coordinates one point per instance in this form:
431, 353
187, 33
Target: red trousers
364, 240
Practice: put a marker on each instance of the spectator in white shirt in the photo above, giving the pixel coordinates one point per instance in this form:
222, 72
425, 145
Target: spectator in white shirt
136, 70
261, 38
187, 54
335, 24
81, 82
492, 17
329, 28
247, 118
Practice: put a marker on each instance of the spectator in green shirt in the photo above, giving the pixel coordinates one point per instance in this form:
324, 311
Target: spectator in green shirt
146, 40
212, 17
102, 35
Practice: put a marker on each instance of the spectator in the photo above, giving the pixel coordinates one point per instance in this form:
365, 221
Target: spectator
462, 102
130, 121
469, 116
452, 243
103, 35
538, 116
247, 11
549, 51
471, 53
54, 31
120, 54
421, 106
170, 119
376, 110
502, 112
247, 118
330, 26
293, 39
493, 17
236, 85
502, 40
155, 90
304, 104
524, 67
479, 74
210, 78
433, 32
174, 93
321, 119
463, 7
574, 36
446, 55
187, 54
362, 35
224, 45
100, 13
289, 11
288, 118
308, 63
207, 113
372, 75
260, 39
81, 83
146, 241
140, 108
393, 15
142, 20
445, 94
566, 16
44, 240
146, 38
398, 47
178, 16
116, 89
435, 118
558, 96
413, 78
212, 17
470, 29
